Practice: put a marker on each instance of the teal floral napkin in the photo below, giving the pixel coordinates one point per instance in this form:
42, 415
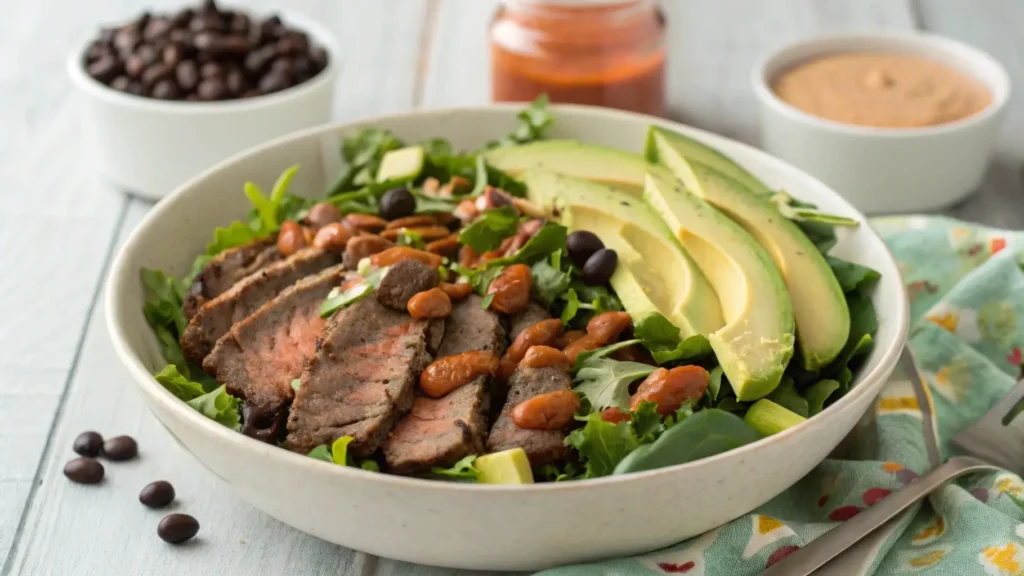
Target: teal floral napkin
966, 291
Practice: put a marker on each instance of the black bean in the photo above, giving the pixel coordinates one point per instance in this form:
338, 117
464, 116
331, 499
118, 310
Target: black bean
120, 448
187, 75
166, 90
303, 68
206, 22
155, 73
600, 267
172, 54
105, 69
581, 245
211, 89
231, 46
157, 494
292, 43
319, 57
257, 60
91, 443
236, 82
97, 50
135, 88
203, 41
182, 37
273, 82
156, 28
209, 6
177, 528
142, 21
211, 70
240, 24
126, 39
84, 470
182, 17
397, 203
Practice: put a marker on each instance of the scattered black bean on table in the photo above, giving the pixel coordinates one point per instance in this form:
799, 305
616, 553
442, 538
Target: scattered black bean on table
177, 528
120, 448
88, 444
581, 245
599, 267
157, 494
84, 470
397, 203
204, 53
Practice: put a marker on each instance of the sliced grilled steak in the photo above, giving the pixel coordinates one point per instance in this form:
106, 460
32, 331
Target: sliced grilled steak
403, 281
541, 446
360, 381
440, 432
217, 316
522, 320
229, 267
261, 355
363, 247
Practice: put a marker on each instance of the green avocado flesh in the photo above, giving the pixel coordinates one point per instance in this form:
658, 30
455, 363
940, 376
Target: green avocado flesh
819, 306
756, 343
620, 170
654, 274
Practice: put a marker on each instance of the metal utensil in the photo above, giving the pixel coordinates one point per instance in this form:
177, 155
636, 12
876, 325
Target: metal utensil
990, 444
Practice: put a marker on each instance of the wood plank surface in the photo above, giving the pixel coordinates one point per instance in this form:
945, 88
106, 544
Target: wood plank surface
993, 26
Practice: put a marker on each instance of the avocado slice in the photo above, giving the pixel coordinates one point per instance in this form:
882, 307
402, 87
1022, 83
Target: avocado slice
402, 164
756, 343
615, 168
819, 306
505, 467
704, 154
674, 287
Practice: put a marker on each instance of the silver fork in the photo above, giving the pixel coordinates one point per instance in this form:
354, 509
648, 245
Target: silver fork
990, 444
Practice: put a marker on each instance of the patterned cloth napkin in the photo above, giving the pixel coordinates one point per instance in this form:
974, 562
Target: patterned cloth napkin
966, 291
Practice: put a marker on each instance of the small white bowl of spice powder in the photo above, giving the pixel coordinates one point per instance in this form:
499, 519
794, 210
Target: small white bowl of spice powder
894, 122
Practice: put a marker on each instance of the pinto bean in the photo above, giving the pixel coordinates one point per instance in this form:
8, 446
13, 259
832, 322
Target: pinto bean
411, 222
322, 214
549, 411
545, 357
615, 415
399, 253
543, 333
507, 367
511, 289
433, 303
291, 238
447, 246
668, 389
607, 326
332, 237
367, 222
581, 344
457, 291
446, 374
569, 337
468, 257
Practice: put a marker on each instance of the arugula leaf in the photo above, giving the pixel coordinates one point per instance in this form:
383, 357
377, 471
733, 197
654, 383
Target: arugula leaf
806, 212
339, 450
548, 239
572, 305
549, 281
479, 178
162, 307
370, 465
474, 169
605, 382
552, 473
321, 452
534, 121
661, 338
218, 406
236, 234
295, 383
427, 204
786, 395
487, 232
703, 434
818, 393
436, 147
731, 404
479, 278
337, 300
486, 302
407, 237
267, 208
602, 445
853, 277
462, 471
602, 352
362, 153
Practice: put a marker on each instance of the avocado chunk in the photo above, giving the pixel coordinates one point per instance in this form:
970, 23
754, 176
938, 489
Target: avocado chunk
819, 306
703, 154
654, 274
615, 168
402, 164
505, 467
756, 343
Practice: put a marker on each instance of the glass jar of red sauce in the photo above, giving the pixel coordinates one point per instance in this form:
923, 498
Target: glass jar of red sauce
600, 52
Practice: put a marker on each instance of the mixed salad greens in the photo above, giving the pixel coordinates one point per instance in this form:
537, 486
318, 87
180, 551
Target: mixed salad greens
740, 404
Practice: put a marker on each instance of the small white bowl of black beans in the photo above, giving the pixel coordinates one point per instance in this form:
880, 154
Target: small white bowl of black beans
168, 95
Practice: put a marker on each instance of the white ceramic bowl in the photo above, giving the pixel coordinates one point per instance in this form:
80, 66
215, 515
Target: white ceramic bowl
885, 170
149, 147
480, 526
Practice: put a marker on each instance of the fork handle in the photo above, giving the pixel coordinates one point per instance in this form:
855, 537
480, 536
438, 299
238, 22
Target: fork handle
826, 547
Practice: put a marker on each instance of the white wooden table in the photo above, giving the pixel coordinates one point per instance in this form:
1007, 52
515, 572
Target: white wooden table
60, 226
